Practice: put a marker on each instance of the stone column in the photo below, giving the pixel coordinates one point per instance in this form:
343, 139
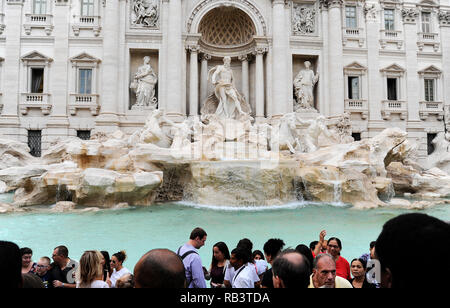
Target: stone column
279, 59
335, 56
444, 22
259, 84
193, 81
204, 78
9, 119
162, 100
245, 77
175, 55
108, 121
324, 103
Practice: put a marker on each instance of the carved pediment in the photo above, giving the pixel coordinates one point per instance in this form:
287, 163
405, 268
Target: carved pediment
85, 57
355, 66
35, 56
431, 70
428, 3
394, 68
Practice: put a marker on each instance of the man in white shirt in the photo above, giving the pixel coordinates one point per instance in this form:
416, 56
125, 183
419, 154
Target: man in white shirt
244, 272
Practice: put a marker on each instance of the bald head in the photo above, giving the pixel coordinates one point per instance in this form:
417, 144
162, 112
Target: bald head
291, 270
160, 268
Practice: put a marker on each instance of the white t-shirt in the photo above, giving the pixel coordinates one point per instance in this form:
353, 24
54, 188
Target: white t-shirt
96, 284
117, 274
230, 272
244, 277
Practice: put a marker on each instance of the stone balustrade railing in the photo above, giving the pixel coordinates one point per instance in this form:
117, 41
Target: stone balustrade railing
357, 106
431, 108
35, 100
86, 23
84, 101
394, 107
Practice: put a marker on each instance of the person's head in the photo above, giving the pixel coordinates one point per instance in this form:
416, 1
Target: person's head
239, 257
334, 246
258, 255
43, 266
117, 260
307, 64
372, 249
272, 248
107, 261
305, 251
323, 248
160, 268
313, 245
245, 243
226, 60
324, 271
415, 232
26, 254
10, 265
125, 282
290, 270
90, 268
220, 253
60, 255
31, 281
146, 59
198, 237
358, 267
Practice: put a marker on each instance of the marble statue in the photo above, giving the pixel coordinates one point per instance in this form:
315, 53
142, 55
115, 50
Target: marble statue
226, 102
144, 83
181, 134
304, 85
303, 20
315, 128
284, 135
145, 13
152, 132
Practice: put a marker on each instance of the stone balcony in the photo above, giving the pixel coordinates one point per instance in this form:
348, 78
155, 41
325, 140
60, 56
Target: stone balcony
86, 23
394, 107
357, 106
391, 37
84, 101
431, 39
38, 21
35, 100
431, 108
353, 34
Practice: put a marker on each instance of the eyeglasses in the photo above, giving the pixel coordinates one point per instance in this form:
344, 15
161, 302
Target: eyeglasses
113, 261
39, 265
333, 246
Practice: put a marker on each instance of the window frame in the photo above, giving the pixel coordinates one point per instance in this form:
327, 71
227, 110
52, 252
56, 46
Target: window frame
347, 18
393, 28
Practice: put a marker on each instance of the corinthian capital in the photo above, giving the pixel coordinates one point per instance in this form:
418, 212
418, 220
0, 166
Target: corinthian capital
444, 18
335, 3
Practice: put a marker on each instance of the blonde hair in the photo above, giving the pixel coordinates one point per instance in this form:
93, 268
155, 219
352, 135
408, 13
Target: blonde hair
90, 268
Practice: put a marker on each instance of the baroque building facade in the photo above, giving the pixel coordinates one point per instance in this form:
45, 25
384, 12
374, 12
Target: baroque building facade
70, 67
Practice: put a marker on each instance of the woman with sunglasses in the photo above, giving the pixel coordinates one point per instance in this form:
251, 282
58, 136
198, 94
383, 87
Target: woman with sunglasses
119, 270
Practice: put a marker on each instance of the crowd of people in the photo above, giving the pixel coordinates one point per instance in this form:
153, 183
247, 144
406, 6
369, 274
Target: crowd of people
399, 257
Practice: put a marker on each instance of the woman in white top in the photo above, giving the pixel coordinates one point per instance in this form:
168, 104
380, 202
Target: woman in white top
90, 271
119, 270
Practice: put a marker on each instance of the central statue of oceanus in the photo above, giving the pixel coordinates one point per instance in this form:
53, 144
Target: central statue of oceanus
226, 102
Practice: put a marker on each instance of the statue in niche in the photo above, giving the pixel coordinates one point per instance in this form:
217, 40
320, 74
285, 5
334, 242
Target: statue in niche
226, 102
144, 83
304, 85
145, 13
303, 20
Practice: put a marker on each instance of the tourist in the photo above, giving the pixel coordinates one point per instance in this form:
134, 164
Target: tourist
42, 270
258, 255
291, 270
219, 264
32, 281
90, 271
427, 238
304, 250
371, 255
125, 282
62, 272
195, 275
160, 268
324, 273
334, 247
247, 247
106, 261
321, 247
10, 266
271, 250
312, 246
359, 280
28, 266
119, 270
243, 277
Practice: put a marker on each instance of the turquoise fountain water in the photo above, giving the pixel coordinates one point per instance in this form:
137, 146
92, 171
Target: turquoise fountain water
168, 225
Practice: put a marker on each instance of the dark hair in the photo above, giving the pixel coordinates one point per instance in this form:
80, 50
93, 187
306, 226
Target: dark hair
63, 251
245, 243
258, 253
25, 251
320, 256
197, 232
46, 259
338, 241
121, 256
294, 275
420, 232
305, 251
121, 283
107, 265
273, 247
372, 244
223, 248
241, 253
32, 281
10, 265
160, 268
313, 244
363, 262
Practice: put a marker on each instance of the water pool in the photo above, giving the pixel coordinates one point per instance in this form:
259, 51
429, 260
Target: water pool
168, 225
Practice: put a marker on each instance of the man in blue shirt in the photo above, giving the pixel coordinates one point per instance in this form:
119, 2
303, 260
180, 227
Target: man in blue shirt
192, 262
